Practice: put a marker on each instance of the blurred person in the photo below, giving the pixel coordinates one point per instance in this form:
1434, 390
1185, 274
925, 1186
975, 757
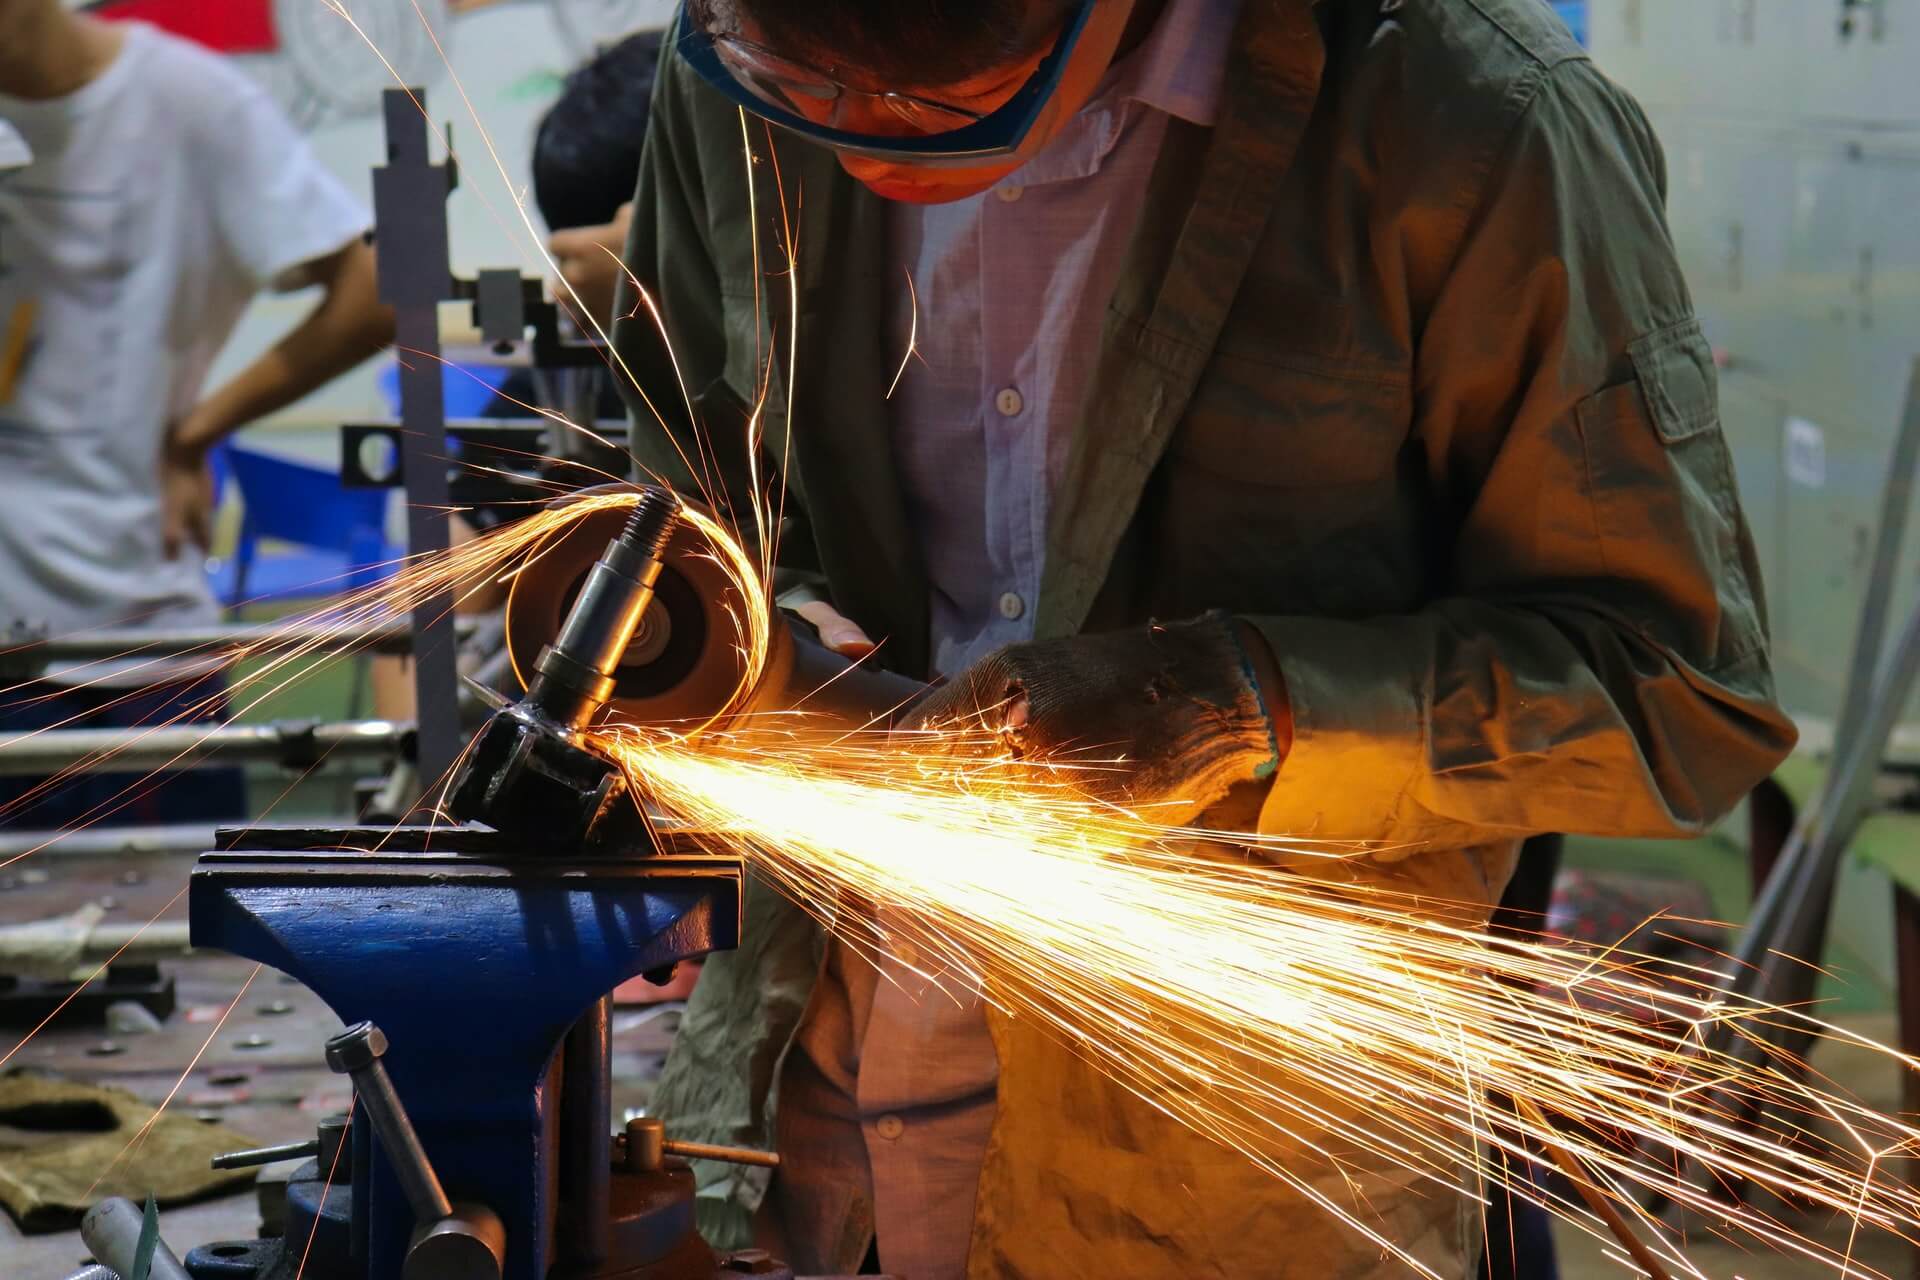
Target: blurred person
163, 193
586, 160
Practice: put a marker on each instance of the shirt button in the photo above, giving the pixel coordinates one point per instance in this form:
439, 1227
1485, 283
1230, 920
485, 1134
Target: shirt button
1009, 402
1012, 606
1009, 194
890, 1127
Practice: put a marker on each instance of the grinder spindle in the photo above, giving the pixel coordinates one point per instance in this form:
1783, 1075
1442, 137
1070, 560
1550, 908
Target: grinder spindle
527, 771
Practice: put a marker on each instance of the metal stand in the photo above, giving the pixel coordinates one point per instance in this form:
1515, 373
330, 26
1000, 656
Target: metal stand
410, 208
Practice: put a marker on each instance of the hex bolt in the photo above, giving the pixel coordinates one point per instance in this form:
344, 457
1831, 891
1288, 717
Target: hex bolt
356, 1053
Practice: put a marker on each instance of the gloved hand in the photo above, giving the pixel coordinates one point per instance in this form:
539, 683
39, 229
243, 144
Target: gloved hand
1163, 719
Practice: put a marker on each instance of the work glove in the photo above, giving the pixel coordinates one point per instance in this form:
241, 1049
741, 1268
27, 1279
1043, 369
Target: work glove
1163, 720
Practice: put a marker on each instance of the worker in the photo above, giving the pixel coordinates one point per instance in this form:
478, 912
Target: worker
157, 190
1306, 409
586, 153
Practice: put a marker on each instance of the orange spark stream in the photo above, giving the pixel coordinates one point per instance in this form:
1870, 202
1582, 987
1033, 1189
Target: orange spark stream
1321, 1031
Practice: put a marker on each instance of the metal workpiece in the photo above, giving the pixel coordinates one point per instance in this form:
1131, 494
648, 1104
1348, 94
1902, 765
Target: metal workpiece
479, 951
528, 771
111, 1231
95, 1271
575, 675
290, 745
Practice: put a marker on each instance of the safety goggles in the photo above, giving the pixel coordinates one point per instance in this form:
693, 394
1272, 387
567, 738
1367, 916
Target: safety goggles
931, 132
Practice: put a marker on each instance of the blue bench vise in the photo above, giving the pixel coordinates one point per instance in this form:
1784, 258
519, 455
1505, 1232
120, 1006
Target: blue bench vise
485, 963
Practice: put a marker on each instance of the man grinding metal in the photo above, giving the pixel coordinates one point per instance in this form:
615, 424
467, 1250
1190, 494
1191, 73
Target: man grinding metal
1308, 411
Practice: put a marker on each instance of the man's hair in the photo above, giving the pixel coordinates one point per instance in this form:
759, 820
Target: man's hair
586, 153
911, 43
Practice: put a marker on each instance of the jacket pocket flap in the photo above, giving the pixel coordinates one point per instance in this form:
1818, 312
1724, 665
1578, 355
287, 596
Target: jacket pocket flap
1674, 367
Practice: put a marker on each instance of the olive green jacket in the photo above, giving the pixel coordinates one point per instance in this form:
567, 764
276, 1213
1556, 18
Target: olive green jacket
1402, 369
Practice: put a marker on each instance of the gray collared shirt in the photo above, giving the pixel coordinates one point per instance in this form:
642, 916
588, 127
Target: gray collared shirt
886, 1105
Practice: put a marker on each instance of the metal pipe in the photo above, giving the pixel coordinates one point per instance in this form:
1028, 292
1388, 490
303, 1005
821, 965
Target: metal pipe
111, 1231
108, 842
225, 642
295, 746
1778, 899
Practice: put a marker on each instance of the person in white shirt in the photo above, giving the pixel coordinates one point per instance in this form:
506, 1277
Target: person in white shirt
161, 190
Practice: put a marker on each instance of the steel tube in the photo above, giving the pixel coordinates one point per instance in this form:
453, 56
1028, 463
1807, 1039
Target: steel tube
47, 752
111, 1231
229, 642
108, 842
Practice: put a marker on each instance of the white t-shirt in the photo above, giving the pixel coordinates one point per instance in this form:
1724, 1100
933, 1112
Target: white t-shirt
160, 198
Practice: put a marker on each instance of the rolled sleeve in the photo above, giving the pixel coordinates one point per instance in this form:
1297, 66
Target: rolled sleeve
278, 208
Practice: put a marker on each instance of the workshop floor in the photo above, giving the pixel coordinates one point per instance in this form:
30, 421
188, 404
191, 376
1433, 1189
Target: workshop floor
1868, 1075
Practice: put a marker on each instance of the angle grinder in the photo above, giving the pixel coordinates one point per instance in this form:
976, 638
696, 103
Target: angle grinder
629, 615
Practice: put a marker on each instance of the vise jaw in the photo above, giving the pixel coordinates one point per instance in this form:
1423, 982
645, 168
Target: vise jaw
477, 954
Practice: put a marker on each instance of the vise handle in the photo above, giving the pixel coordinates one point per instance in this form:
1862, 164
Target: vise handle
450, 1241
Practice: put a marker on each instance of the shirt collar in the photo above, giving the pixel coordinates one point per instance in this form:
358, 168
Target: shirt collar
1180, 69
1183, 64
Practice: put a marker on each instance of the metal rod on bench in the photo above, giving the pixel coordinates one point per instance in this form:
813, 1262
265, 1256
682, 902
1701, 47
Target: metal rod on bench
109, 842
295, 746
237, 641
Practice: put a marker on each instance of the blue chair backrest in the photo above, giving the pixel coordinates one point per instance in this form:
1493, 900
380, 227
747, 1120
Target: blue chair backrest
304, 504
467, 390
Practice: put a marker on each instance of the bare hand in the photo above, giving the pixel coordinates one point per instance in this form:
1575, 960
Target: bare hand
588, 259
186, 500
837, 631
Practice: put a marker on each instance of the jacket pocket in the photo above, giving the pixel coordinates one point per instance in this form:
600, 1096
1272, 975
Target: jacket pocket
1667, 511
1305, 424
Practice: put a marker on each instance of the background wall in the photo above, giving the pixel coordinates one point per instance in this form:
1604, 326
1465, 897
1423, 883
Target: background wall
509, 58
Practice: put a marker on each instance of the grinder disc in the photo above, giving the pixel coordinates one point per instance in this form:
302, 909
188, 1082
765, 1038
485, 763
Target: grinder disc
684, 665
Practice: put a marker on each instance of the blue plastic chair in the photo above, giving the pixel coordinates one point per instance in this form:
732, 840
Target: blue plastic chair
336, 537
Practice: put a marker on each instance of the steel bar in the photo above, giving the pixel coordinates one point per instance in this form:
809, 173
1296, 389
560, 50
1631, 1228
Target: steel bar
295, 746
108, 842
1847, 792
1595, 1198
732, 1155
226, 642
